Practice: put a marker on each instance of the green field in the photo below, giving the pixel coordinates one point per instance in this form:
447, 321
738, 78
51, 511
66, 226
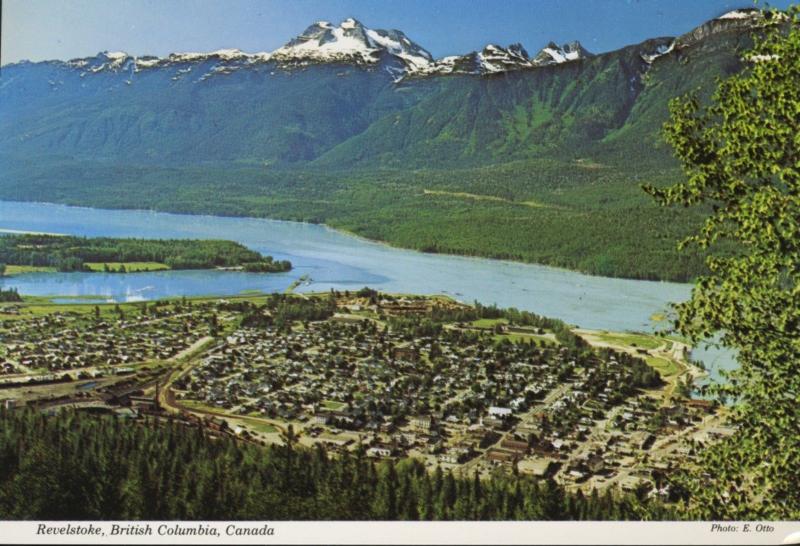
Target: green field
663, 366
488, 323
130, 267
263, 428
642, 341
200, 406
514, 338
332, 404
19, 269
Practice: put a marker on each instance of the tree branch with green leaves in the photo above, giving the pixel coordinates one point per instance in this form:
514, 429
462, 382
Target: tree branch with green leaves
741, 157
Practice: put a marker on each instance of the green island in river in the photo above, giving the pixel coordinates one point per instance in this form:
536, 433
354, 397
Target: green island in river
26, 253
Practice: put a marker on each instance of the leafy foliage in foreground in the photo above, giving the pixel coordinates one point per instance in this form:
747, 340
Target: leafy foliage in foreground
742, 156
71, 253
76, 466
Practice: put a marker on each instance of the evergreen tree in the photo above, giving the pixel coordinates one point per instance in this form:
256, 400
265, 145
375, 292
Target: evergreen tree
78, 466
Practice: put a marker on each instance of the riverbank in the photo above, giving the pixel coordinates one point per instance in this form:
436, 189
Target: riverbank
483, 233
335, 261
670, 357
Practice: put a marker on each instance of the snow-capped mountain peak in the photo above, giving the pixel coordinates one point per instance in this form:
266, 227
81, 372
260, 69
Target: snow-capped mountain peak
398, 44
494, 58
105, 60
321, 42
350, 23
115, 55
554, 54
491, 59
351, 41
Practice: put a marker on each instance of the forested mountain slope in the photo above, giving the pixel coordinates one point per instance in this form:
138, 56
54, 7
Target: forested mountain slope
496, 153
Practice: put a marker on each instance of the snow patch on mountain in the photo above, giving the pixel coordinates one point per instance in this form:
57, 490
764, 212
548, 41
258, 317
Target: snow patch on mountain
661, 50
398, 44
492, 59
351, 41
497, 59
322, 42
740, 14
553, 54
736, 20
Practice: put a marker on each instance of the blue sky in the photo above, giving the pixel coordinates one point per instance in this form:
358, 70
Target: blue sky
60, 29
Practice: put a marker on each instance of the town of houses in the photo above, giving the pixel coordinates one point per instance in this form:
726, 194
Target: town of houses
61, 341
378, 375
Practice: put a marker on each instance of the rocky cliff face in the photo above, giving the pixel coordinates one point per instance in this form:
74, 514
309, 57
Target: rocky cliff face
742, 19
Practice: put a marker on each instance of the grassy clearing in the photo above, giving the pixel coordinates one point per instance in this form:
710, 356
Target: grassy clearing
642, 341
20, 269
263, 428
82, 305
664, 366
80, 298
488, 323
37, 306
514, 338
332, 404
29, 311
130, 267
478, 197
589, 164
200, 406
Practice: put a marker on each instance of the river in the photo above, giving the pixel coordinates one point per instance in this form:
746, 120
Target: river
335, 260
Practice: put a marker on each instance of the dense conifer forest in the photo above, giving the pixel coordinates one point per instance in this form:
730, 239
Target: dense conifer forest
81, 466
587, 215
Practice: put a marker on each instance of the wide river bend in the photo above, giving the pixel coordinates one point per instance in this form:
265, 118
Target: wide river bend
332, 259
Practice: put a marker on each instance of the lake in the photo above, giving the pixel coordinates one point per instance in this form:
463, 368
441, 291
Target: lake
335, 260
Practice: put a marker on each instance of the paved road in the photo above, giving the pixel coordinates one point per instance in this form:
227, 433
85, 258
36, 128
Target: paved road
167, 397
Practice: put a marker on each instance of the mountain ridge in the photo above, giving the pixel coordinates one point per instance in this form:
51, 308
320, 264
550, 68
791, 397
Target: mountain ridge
250, 108
540, 164
352, 42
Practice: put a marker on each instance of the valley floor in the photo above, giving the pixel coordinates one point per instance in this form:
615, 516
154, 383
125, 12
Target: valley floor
580, 215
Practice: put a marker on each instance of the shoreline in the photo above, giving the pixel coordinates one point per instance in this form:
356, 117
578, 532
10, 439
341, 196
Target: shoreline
361, 238
669, 350
138, 271
26, 232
